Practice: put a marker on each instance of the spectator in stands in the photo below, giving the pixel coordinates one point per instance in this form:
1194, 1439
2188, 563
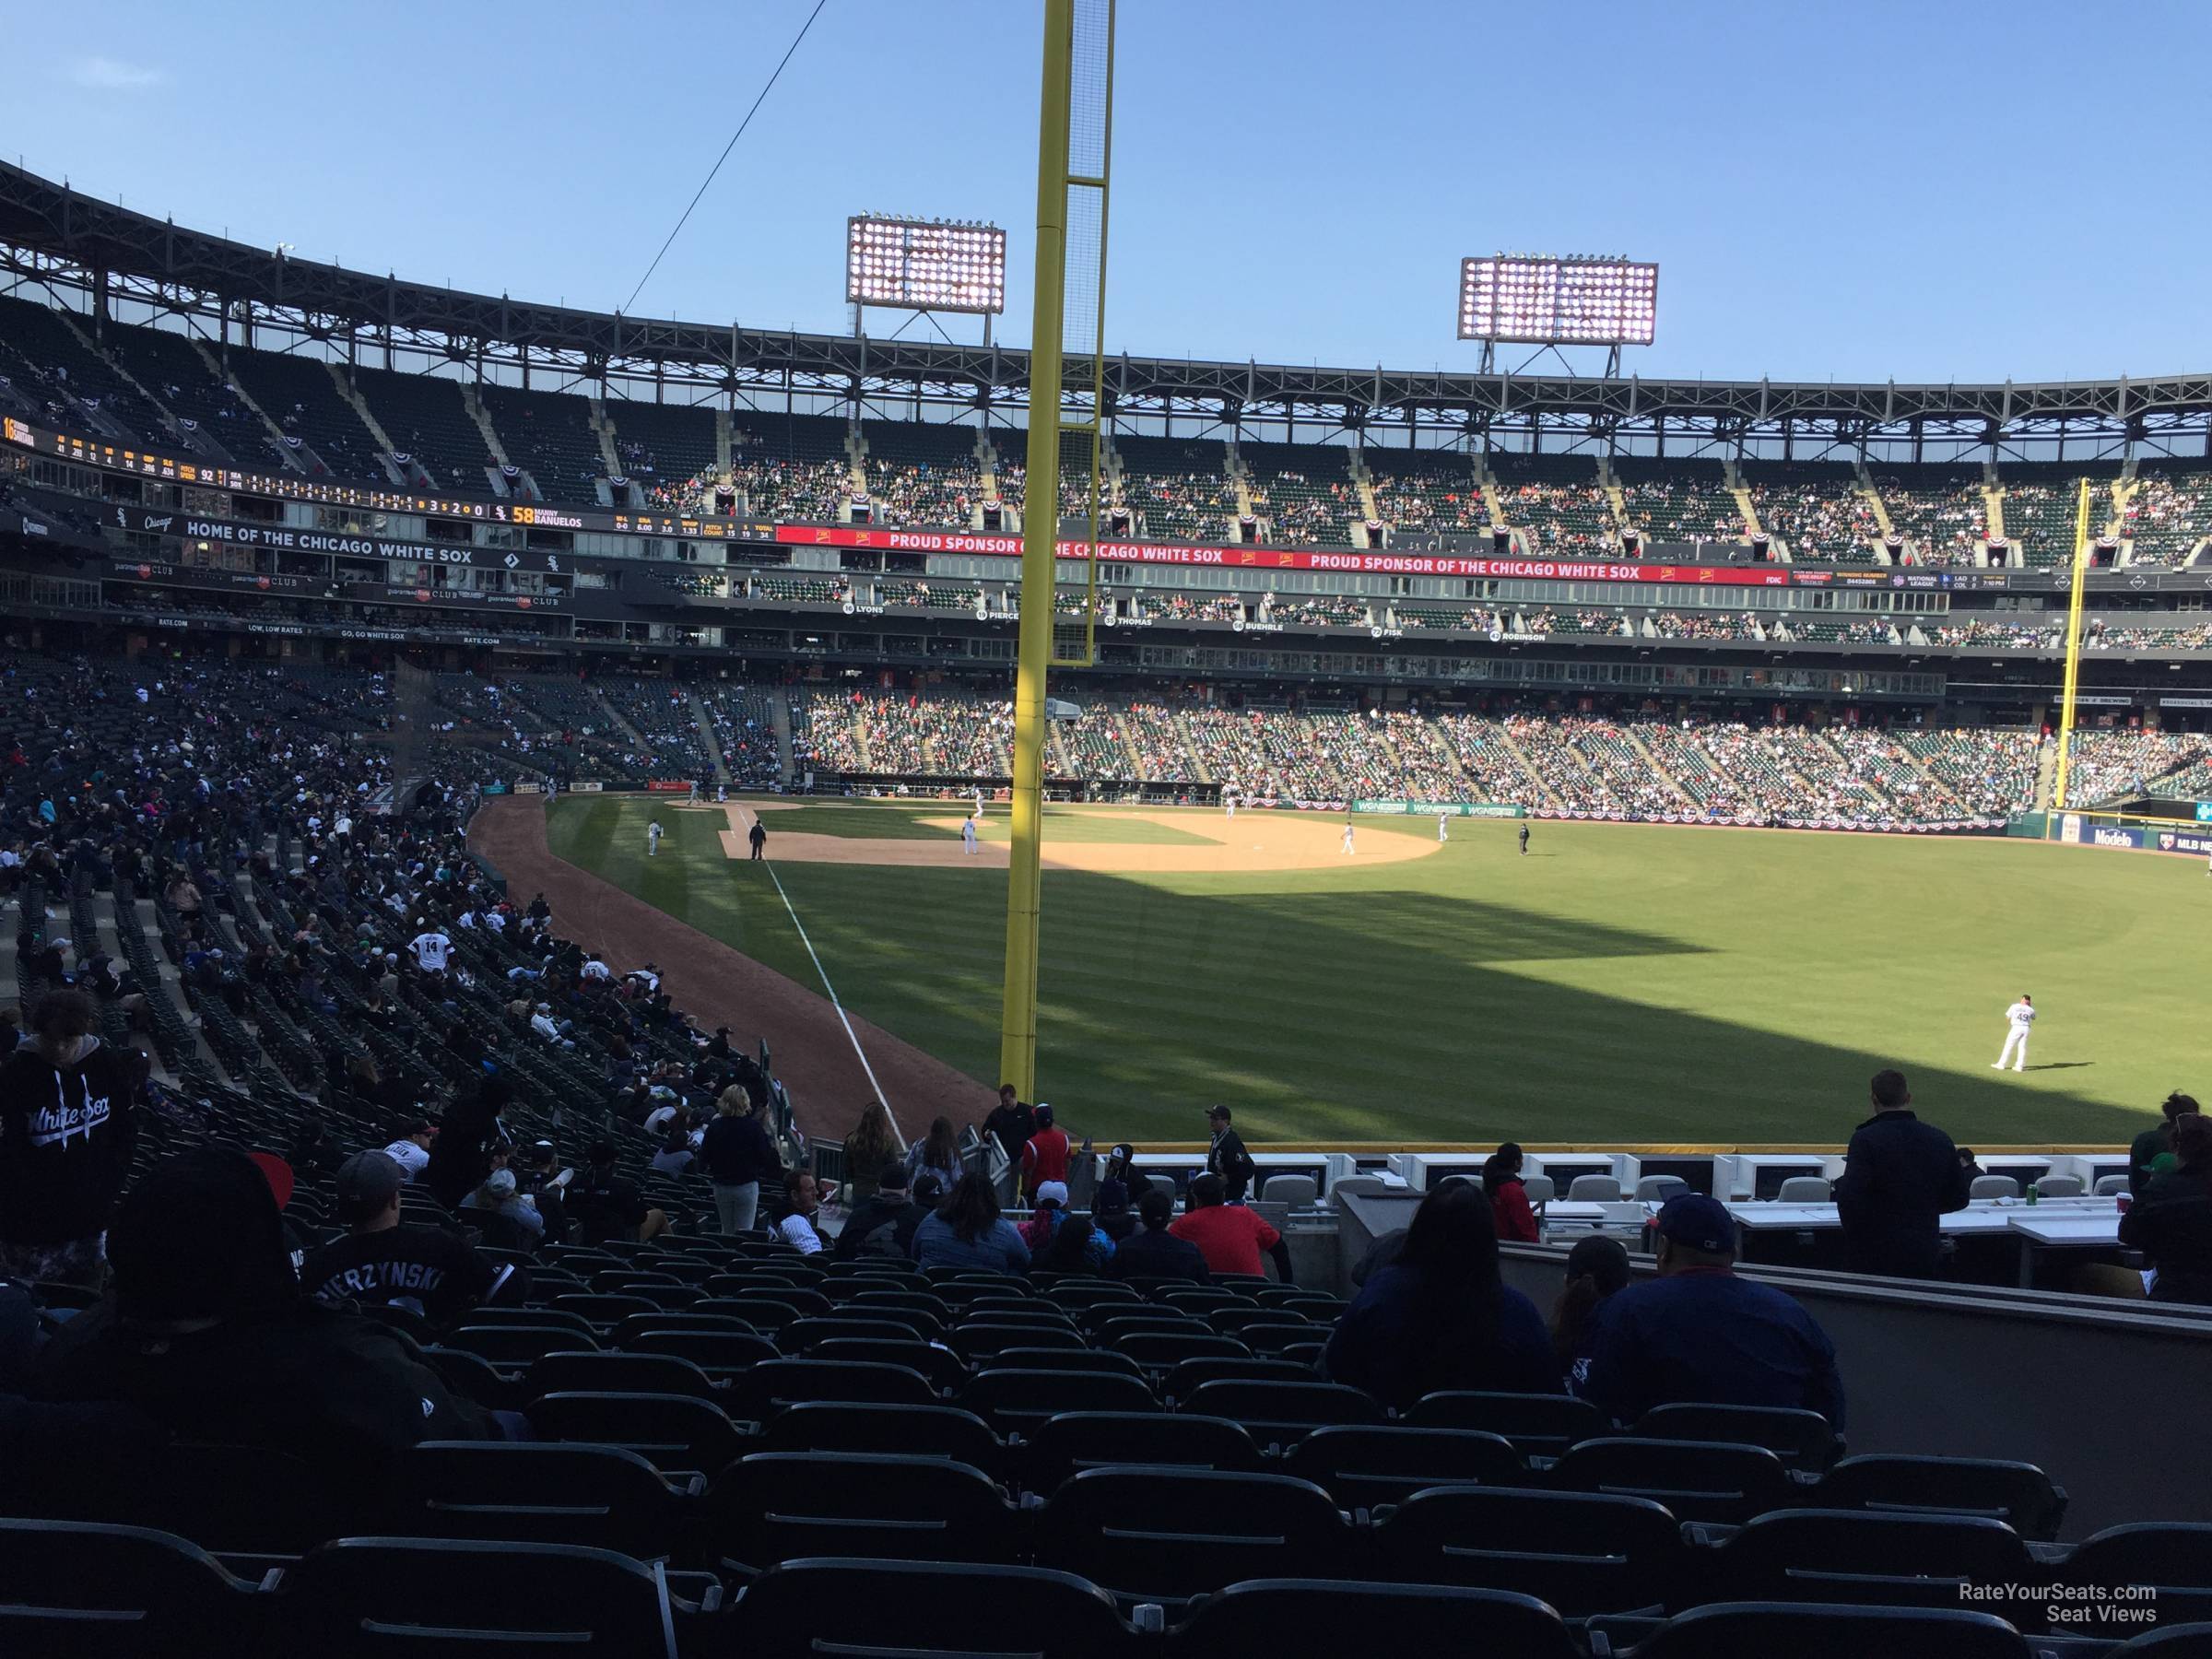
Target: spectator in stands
606, 1205
1971, 1165
883, 1224
967, 1231
208, 1333
1440, 1317
1076, 1246
1699, 1332
736, 1153
1154, 1251
873, 1142
432, 1272
802, 1205
461, 1157
673, 1155
2171, 1222
1011, 1123
68, 1119
504, 1218
2154, 1141
1229, 1236
411, 1151
1899, 1175
1597, 1268
1044, 1155
1110, 1211
1226, 1156
938, 1153
1509, 1211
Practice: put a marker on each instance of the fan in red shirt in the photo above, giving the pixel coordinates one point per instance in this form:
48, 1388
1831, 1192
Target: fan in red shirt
1510, 1212
1044, 1154
1228, 1235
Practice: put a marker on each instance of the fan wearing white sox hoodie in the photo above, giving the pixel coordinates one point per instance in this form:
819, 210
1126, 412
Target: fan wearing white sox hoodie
68, 1122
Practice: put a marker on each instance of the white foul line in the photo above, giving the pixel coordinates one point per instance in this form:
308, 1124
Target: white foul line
850, 1035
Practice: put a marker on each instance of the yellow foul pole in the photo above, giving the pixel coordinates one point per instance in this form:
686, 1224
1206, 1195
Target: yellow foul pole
2065, 712
1039, 536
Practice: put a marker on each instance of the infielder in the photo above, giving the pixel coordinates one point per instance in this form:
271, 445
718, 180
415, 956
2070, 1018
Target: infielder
2019, 1020
968, 835
1229, 805
653, 838
1347, 835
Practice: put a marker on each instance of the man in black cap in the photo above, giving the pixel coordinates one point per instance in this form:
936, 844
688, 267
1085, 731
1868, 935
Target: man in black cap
427, 1270
1226, 1156
208, 1335
884, 1222
1155, 1253
1696, 1332
1899, 1176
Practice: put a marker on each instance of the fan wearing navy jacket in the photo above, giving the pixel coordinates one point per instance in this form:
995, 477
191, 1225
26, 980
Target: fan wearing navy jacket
67, 1124
1699, 1332
1440, 1317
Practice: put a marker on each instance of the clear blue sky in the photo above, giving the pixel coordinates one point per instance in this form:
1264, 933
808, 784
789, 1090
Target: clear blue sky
1929, 191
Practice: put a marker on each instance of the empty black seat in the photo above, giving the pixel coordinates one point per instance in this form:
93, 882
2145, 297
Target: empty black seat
359, 1597
1538, 1425
689, 1319
1265, 1619
714, 1351
615, 1373
603, 1307
1283, 1411
842, 1605
780, 1506
1011, 1401
2174, 1558
941, 1431
515, 1347
1189, 1376
1697, 1480
804, 1335
1803, 1440
1763, 1629
767, 1388
977, 1342
938, 1363
1161, 1534
1850, 1556
1163, 1351
83, 1590
601, 1497
1060, 1358
2019, 1494
1075, 1440
671, 1431
1365, 1466
1580, 1553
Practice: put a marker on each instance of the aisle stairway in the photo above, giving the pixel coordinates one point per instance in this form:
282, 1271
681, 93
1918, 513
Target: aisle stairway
779, 721
708, 736
1528, 768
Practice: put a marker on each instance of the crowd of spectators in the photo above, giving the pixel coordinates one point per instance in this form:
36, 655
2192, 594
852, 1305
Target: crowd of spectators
1318, 610
2106, 636
1943, 520
1587, 620
1567, 520
2167, 514
2114, 763
1191, 608
1682, 509
745, 733
1860, 630
1703, 625
1819, 516
2019, 636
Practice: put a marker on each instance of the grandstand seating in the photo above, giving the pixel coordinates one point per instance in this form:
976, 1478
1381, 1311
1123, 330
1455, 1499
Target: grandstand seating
2041, 503
1815, 508
790, 466
172, 371
1672, 501
2170, 511
549, 436
67, 381
1178, 489
1939, 511
1302, 493
425, 418
300, 395
662, 444
1558, 500
924, 475
1426, 490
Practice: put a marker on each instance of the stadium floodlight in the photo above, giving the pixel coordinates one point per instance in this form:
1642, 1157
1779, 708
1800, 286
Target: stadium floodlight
1548, 300
925, 264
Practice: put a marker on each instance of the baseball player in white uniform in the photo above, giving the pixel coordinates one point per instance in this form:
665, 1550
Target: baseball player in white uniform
1228, 804
968, 835
2019, 1020
1441, 836
1347, 835
653, 838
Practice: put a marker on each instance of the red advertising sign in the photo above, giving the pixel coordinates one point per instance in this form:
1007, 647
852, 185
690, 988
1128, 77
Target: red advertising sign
1288, 558
668, 786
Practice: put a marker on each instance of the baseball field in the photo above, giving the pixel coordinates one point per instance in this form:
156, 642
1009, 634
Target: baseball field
1644, 985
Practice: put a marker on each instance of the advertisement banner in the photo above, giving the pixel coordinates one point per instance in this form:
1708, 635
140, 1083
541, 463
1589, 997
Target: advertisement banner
494, 787
2179, 840
668, 786
594, 787
529, 788
1493, 810
175, 575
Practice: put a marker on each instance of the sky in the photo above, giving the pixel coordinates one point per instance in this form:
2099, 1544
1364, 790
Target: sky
1947, 190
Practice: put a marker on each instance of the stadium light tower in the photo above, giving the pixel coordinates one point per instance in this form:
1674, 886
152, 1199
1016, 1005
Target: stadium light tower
923, 266
1549, 301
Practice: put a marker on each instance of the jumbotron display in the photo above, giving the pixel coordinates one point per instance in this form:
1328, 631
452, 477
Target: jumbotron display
1540, 300
925, 264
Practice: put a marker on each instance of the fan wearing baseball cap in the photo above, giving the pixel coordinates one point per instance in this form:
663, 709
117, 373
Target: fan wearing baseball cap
1699, 1332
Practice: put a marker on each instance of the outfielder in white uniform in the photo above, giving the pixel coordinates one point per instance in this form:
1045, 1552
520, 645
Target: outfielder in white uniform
1229, 805
1441, 837
968, 835
1347, 836
2019, 1020
653, 838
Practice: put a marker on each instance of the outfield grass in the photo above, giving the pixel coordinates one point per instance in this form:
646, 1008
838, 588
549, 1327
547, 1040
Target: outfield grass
1631, 984
901, 820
